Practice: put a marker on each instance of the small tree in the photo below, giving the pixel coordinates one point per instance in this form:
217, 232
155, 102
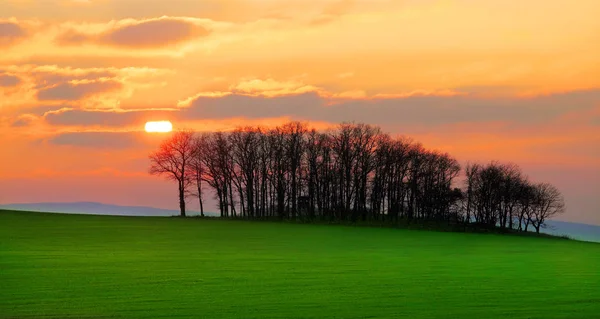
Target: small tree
171, 160
548, 203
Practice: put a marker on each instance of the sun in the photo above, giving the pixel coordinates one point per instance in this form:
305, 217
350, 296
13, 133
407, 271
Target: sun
158, 127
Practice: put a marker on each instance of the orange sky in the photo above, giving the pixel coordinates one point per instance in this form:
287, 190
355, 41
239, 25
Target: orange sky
516, 81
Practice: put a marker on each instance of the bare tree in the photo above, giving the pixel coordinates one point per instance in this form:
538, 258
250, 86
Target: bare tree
197, 170
171, 160
244, 148
548, 203
524, 203
294, 149
471, 172
352, 172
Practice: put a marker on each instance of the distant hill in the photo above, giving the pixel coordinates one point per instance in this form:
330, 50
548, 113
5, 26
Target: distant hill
96, 209
577, 231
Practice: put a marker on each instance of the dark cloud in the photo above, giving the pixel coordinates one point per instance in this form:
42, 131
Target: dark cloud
422, 111
95, 61
10, 33
71, 92
45, 79
111, 140
153, 33
419, 110
9, 80
41, 110
24, 120
234, 105
144, 34
103, 118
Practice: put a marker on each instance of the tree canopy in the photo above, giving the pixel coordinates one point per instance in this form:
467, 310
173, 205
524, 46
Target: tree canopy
352, 172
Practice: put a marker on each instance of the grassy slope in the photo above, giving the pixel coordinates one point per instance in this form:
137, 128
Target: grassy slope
109, 267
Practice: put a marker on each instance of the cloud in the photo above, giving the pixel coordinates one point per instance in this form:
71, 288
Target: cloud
109, 140
416, 109
151, 33
45, 76
333, 12
71, 37
271, 87
24, 120
112, 118
66, 73
10, 32
238, 105
47, 79
9, 80
77, 91
129, 33
345, 75
52, 85
268, 99
77, 2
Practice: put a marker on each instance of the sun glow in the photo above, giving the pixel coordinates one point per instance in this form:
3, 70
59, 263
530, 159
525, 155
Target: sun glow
159, 127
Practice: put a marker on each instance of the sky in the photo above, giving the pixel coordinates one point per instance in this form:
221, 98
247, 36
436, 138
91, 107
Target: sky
513, 81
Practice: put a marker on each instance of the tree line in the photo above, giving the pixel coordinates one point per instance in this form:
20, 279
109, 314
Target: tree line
353, 172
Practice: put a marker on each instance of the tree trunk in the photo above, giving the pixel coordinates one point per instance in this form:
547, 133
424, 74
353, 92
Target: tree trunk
200, 201
200, 197
220, 196
231, 202
201, 208
181, 199
294, 193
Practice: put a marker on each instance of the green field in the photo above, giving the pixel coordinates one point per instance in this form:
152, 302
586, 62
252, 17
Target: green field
62, 266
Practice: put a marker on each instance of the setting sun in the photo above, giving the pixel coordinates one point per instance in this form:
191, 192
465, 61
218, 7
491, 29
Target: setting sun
159, 127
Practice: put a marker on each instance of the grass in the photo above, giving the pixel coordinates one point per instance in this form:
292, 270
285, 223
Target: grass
81, 266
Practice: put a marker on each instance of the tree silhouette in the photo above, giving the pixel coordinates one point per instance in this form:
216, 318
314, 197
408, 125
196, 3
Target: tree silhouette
172, 159
548, 202
196, 170
352, 172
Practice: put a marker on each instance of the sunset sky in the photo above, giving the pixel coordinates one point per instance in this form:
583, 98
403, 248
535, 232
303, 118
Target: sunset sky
514, 81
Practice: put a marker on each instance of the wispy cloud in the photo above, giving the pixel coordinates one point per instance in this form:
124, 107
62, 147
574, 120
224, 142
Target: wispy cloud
130, 33
24, 120
77, 91
28, 86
